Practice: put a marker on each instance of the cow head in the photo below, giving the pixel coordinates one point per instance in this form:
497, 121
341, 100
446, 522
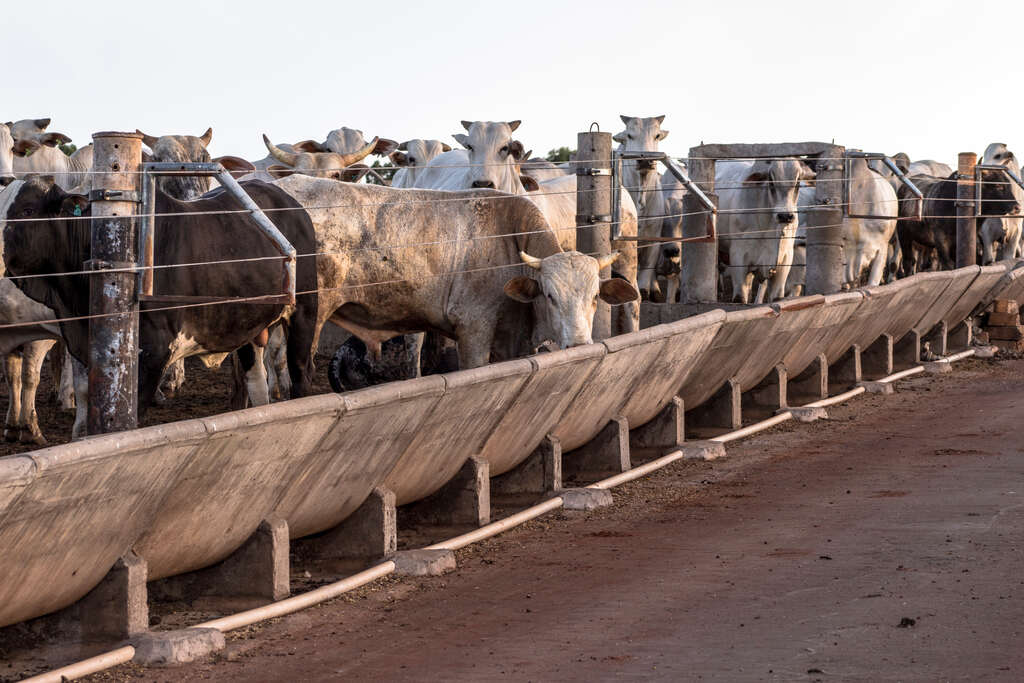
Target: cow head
777, 185
418, 152
320, 164
6, 156
181, 148
350, 140
999, 154
565, 293
29, 242
641, 135
997, 194
494, 156
34, 131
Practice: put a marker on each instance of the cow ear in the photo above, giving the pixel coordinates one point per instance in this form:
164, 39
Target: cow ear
625, 119
662, 134
515, 148
279, 171
461, 138
522, 288
22, 148
399, 158
384, 147
620, 137
616, 291
807, 173
54, 139
530, 184
74, 205
660, 119
206, 137
311, 146
237, 166
514, 124
41, 124
354, 173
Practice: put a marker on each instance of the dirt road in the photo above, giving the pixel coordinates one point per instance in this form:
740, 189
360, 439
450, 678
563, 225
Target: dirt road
885, 544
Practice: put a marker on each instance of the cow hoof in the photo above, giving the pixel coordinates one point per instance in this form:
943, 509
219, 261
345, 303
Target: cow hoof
28, 437
159, 398
11, 434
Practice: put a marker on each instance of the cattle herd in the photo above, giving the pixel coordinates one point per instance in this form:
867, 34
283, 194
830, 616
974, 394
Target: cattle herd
468, 257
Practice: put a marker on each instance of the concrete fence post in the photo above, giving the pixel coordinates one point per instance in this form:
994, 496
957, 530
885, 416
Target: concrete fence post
699, 259
113, 337
966, 223
594, 209
825, 271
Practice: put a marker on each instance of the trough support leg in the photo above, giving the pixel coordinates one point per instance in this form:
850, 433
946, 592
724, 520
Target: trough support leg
665, 432
608, 452
117, 608
960, 337
906, 353
466, 499
811, 384
721, 411
367, 535
539, 473
770, 395
846, 372
936, 341
260, 568
876, 361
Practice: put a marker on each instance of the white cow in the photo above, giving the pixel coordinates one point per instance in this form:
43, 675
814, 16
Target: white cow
70, 172
6, 157
1006, 230
757, 223
342, 140
412, 156
492, 159
643, 181
930, 167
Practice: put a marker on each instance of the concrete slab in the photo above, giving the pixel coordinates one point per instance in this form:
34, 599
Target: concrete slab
807, 413
584, 498
424, 562
167, 648
703, 450
873, 387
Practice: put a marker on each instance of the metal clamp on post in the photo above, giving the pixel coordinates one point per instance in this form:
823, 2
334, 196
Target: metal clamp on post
114, 196
593, 171
592, 220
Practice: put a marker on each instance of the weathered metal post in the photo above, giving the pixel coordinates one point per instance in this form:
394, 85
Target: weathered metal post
699, 262
825, 261
593, 210
966, 222
113, 336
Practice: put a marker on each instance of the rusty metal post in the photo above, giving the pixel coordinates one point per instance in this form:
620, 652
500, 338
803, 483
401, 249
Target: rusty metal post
825, 259
699, 262
966, 222
593, 210
113, 337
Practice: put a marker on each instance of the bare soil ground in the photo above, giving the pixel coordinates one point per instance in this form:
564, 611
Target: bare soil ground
883, 544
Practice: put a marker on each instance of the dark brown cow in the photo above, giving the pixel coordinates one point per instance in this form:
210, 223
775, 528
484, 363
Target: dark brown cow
58, 246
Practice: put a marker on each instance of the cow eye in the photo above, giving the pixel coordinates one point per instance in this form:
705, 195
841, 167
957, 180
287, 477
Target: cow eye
412, 160
469, 148
28, 212
504, 150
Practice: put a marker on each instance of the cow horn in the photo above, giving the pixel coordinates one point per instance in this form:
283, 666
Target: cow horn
531, 261
206, 137
514, 124
466, 125
148, 139
356, 157
284, 157
41, 124
607, 260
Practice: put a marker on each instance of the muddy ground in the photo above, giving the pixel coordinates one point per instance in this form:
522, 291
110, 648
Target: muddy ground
883, 544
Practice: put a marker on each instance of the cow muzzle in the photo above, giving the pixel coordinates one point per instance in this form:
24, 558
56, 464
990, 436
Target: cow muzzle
483, 184
784, 218
6, 180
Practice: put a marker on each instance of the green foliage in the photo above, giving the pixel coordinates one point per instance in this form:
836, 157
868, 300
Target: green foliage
386, 170
68, 148
561, 154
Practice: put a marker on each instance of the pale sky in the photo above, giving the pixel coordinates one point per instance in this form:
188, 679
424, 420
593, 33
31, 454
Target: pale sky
929, 78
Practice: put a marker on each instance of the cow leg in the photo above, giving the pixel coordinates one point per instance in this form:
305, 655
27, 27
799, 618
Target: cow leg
32, 364
66, 383
80, 379
777, 288
877, 268
474, 345
762, 287
173, 379
12, 367
277, 352
251, 358
301, 334
747, 284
